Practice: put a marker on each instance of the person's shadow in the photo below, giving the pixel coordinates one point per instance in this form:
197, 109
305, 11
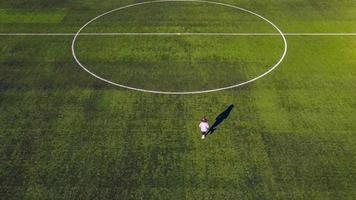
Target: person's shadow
220, 118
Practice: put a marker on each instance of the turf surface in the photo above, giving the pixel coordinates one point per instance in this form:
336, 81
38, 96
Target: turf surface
66, 135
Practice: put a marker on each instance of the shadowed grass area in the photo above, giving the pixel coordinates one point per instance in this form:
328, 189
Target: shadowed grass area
66, 135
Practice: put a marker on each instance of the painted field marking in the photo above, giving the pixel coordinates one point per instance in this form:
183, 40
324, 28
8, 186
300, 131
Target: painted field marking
183, 92
177, 34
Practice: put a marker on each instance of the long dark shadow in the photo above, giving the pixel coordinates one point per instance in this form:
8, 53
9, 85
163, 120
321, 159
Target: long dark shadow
220, 118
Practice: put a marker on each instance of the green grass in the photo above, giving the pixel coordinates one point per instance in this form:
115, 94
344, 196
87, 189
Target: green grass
31, 17
66, 135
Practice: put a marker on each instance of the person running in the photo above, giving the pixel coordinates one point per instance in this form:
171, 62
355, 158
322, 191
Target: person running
204, 127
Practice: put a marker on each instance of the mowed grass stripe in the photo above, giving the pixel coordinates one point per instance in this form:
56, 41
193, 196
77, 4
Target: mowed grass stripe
180, 63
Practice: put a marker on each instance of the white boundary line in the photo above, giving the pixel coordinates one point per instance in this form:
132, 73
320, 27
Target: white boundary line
178, 34
320, 34
181, 93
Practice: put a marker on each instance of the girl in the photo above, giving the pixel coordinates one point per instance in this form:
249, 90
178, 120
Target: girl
204, 127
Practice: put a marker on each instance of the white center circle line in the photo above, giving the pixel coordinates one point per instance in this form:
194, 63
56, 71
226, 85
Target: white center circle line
172, 92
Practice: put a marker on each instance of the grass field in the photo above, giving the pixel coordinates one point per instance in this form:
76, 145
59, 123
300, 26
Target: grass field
66, 135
